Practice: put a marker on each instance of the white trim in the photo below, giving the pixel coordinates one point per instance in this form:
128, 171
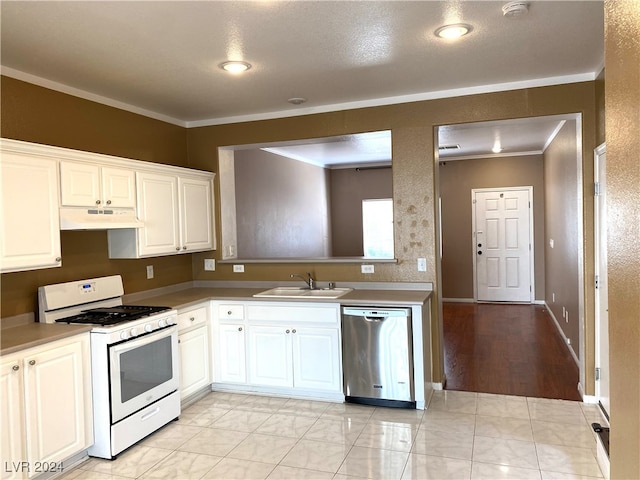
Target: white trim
442, 159
438, 386
553, 135
376, 102
564, 337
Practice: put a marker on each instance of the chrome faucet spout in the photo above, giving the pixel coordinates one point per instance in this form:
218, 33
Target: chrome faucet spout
309, 280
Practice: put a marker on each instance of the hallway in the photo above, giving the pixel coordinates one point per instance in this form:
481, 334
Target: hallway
506, 349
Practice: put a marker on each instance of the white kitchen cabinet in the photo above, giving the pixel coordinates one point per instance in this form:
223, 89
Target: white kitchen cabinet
270, 356
194, 350
316, 358
229, 343
46, 406
91, 185
29, 216
177, 212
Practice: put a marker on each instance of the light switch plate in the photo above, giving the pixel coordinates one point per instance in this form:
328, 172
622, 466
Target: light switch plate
422, 264
210, 264
238, 269
367, 269
149, 272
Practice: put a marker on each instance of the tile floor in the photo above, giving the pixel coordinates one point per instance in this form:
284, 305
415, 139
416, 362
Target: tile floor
461, 435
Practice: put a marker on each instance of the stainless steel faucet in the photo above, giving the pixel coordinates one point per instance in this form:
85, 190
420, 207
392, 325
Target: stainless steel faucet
311, 283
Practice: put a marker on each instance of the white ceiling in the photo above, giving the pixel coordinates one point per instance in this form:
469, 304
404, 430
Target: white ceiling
160, 58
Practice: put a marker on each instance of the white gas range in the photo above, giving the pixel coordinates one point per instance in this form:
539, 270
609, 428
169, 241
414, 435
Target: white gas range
134, 359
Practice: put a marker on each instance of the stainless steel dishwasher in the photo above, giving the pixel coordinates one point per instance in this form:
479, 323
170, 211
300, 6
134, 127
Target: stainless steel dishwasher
377, 356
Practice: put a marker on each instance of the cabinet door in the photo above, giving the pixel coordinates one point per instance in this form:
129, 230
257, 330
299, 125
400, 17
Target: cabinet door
316, 359
270, 358
196, 214
230, 359
118, 187
195, 372
56, 402
80, 185
12, 420
158, 209
29, 213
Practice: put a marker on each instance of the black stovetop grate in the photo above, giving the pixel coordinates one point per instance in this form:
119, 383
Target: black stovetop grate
112, 315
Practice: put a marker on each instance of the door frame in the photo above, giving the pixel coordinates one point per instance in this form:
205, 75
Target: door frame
532, 273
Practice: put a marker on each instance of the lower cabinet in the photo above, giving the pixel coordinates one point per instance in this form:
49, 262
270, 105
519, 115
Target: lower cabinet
279, 347
194, 349
46, 407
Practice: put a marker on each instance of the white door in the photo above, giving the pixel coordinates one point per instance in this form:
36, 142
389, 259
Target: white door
602, 303
230, 364
316, 356
270, 357
118, 187
158, 209
503, 250
194, 361
80, 185
196, 214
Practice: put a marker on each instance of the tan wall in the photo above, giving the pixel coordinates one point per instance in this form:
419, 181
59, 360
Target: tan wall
561, 225
622, 94
348, 188
281, 205
457, 179
35, 114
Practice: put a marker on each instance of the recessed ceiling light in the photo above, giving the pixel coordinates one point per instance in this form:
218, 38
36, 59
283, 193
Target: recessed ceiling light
235, 67
456, 30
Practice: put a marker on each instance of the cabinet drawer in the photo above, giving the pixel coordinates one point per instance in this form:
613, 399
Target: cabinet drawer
191, 318
231, 312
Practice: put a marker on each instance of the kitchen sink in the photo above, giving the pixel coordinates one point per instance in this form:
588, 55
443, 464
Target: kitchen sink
295, 292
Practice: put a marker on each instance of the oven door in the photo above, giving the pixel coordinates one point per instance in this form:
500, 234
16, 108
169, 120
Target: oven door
142, 370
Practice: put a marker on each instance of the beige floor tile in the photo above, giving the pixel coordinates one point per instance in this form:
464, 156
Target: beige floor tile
241, 420
171, 436
79, 474
257, 403
387, 437
290, 473
213, 441
499, 451
565, 459
312, 455
564, 476
330, 430
453, 401
203, 418
444, 444
557, 411
426, 467
348, 411
183, 466
502, 406
508, 428
448, 422
234, 469
307, 408
374, 463
486, 471
396, 416
263, 448
563, 434
283, 425
132, 463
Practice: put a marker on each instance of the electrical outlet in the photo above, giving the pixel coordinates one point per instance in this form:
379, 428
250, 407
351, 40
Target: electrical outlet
422, 264
149, 272
551, 242
238, 269
209, 264
367, 269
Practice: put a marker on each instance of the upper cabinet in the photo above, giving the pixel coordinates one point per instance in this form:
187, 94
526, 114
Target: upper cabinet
28, 211
177, 212
90, 185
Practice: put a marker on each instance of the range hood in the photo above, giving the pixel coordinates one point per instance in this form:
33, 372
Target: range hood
98, 219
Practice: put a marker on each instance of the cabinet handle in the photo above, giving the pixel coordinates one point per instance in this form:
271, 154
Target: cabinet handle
32, 362
239, 329
177, 249
184, 248
229, 312
58, 259
108, 202
192, 318
98, 202
287, 330
15, 368
294, 330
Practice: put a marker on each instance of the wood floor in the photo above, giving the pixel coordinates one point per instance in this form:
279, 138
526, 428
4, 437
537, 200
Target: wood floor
507, 349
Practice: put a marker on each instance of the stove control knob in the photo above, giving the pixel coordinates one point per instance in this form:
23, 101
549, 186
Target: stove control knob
123, 335
133, 332
162, 323
148, 327
171, 320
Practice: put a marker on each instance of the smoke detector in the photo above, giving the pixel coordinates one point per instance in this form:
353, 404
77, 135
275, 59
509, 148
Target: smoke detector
514, 9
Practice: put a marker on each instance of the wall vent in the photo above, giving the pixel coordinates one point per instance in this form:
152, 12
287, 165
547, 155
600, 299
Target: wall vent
449, 147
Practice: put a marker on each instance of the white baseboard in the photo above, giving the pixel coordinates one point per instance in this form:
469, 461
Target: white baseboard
438, 386
564, 337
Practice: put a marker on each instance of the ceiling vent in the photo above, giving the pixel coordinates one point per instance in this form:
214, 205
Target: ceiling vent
515, 9
443, 148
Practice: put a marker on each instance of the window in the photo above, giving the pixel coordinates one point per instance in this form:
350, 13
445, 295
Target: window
377, 228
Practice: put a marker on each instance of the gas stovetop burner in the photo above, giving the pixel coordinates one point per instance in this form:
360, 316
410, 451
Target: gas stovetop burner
112, 315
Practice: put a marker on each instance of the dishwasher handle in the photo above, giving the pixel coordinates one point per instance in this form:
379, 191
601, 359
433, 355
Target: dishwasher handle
374, 319
376, 312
